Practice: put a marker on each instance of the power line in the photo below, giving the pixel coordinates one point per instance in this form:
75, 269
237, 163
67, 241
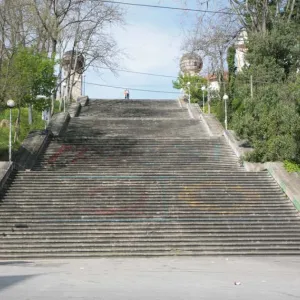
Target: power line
133, 89
135, 72
173, 8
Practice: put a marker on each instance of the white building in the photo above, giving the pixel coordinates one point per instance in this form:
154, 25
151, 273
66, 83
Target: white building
241, 50
213, 83
76, 74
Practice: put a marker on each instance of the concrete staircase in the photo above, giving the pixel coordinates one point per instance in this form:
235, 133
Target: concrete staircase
140, 178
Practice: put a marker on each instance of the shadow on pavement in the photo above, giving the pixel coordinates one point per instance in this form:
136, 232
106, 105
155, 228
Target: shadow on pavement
16, 262
7, 281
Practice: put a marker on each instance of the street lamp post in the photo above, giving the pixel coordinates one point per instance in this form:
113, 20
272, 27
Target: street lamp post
225, 98
84, 78
10, 104
188, 85
203, 90
46, 113
64, 95
208, 99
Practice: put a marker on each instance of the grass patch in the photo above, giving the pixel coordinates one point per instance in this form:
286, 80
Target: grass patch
25, 128
291, 167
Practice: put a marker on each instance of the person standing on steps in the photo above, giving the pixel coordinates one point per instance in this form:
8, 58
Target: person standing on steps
125, 94
128, 94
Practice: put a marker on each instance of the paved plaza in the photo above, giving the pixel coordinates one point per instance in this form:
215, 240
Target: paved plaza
154, 278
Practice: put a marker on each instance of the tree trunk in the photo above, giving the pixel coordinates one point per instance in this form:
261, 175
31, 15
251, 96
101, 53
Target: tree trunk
74, 74
292, 10
30, 114
17, 125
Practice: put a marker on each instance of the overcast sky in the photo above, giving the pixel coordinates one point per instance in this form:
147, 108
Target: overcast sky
152, 40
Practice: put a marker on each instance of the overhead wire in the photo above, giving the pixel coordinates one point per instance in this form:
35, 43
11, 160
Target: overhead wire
172, 7
133, 89
134, 72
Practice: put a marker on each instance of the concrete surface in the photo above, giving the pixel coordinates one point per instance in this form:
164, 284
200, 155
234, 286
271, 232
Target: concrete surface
198, 115
206, 125
240, 151
195, 111
74, 110
5, 170
236, 145
59, 123
254, 167
162, 278
289, 182
30, 149
84, 100
214, 125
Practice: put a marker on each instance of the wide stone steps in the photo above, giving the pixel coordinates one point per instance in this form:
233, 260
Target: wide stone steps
57, 206
128, 211
213, 124
152, 243
181, 226
212, 176
121, 166
139, 143
140, 178
76, 153
157, 235
115, 104
119, 213
145, 113
197, 199
143, 253
143, 151
137, 128
131, 251
161, 194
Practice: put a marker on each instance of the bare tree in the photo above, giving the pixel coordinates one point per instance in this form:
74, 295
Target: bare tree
15, 31
90, 38
58, 17
80, 25
211, 39
256, 15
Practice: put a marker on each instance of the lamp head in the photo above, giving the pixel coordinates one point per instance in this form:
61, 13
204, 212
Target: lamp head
188, 83
203, 88
225, 97
10, 103
41, 97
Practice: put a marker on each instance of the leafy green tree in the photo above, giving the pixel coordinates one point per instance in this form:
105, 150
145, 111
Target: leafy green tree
30, 74
271, 120
196, 82
231, 52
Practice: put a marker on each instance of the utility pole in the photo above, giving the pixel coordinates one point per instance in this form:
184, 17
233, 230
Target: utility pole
11, 105
225, 98
208, 100
203, 88
30, 114
189, 88
251, 86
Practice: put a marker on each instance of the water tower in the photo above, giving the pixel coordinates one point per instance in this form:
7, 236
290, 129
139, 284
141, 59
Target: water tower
191, 64
76, 62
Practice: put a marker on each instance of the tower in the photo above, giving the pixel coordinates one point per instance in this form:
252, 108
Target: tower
241, 50
191, 64
73, 62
